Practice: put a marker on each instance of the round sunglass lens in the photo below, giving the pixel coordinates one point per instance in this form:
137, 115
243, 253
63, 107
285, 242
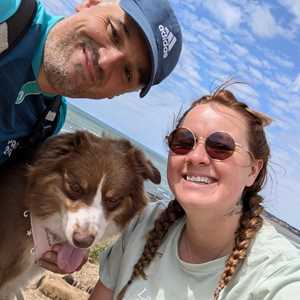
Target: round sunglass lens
220, 145
181, 141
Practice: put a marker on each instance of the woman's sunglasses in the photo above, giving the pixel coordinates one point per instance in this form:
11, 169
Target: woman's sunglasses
218, 145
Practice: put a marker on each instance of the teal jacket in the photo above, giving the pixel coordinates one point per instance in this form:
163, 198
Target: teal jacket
22, 102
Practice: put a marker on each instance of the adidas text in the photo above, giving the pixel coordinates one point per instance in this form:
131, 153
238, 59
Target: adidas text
168, 39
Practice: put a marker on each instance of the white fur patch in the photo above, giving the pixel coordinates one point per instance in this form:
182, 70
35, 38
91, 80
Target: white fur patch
54, 224
90, 218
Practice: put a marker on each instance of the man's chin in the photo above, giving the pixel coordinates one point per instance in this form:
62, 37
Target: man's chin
80, 94
71, 90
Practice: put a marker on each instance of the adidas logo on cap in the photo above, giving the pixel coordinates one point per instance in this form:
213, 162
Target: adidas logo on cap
168, 39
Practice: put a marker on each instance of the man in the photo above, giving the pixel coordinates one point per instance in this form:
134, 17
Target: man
105, 49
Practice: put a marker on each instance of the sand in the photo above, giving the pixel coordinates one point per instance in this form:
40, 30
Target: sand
53, 286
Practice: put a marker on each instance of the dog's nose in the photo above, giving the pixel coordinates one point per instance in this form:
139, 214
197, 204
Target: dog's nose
82, 239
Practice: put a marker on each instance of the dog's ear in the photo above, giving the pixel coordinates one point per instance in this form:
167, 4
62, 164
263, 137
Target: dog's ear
145, 167
82, 139
61, 145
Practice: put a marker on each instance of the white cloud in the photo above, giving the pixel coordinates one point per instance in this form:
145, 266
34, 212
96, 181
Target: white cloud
284, 80
208, 29
189, 6
253, 60
279, 60
245, 35
239, 50
231, 57
262, 22
246, 94
189, 66
210, 45
291, 100
189, 37
230, 15
256, 73
293, 6
295, 105
284, 184
296, 84
280, 107
272, 84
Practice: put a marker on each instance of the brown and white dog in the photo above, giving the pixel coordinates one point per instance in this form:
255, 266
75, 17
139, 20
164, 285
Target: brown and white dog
78, 189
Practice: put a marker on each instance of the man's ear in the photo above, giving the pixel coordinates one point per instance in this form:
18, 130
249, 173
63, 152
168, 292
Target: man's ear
255, 168
86, 3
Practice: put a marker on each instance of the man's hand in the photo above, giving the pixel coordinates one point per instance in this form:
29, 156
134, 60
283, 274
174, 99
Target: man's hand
87, 3
49, 260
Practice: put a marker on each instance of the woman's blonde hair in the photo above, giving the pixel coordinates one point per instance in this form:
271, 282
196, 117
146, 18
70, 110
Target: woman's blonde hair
250, 221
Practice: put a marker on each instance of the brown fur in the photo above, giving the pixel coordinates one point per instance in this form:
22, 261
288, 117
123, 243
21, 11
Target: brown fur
64, 176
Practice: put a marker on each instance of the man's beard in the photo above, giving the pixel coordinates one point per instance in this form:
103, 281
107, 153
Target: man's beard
57, 68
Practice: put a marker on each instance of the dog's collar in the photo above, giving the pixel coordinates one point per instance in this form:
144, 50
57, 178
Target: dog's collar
43, 238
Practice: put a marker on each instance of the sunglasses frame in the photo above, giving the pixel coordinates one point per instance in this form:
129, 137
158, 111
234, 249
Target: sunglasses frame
202, 140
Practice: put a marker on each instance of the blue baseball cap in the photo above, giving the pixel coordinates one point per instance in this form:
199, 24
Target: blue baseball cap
162, 32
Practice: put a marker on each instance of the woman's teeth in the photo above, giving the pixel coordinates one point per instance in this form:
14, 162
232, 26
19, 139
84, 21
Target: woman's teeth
200, 179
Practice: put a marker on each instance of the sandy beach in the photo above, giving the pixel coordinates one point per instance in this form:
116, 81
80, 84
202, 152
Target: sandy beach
52, 286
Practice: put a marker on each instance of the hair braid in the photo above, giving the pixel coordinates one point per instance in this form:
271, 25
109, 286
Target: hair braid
154, 239
250, 222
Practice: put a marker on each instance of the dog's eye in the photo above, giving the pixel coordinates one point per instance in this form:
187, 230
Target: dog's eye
111, 202
75, 187
74, 190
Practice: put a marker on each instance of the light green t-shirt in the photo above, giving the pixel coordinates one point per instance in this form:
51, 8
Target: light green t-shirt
271, 270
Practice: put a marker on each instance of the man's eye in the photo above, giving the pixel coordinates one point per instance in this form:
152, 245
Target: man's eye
114, 34
128, 74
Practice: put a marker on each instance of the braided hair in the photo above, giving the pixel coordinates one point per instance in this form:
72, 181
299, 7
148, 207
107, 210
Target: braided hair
250, 220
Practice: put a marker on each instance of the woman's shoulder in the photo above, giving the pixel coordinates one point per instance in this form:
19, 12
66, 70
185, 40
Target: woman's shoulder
278, 265
272, 251
271, 269
270, 243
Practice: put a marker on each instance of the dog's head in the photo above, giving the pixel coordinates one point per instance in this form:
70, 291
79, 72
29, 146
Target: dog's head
84, 185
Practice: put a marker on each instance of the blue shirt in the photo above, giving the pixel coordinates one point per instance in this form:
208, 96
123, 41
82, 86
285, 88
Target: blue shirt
22, 101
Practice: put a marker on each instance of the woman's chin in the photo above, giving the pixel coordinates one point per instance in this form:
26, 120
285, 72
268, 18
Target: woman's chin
197, 195
199, 200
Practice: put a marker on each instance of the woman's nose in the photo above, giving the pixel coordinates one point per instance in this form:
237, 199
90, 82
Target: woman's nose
198, 155
110, 58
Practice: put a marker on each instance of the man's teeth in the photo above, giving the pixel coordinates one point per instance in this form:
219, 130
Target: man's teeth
200, 179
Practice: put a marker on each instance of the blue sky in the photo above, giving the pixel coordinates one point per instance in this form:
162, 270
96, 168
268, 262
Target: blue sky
253, 41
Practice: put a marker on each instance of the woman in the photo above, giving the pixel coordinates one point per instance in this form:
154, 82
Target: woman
211, 242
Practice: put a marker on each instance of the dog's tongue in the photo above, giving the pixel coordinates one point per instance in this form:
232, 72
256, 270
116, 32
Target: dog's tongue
69, 258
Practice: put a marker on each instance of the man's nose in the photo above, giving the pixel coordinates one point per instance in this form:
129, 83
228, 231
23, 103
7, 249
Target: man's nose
110, 58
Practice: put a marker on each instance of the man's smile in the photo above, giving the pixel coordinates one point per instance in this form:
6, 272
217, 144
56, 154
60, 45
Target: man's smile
89, 64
